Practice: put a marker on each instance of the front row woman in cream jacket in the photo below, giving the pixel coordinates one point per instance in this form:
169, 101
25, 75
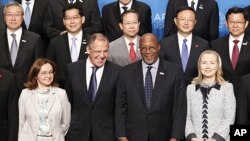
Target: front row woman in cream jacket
211, 102
44, 109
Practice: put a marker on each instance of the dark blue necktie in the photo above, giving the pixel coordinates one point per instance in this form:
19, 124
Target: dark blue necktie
184, 56
92, 85
148, 86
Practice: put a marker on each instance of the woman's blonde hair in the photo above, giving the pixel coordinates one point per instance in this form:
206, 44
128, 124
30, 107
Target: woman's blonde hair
219, 74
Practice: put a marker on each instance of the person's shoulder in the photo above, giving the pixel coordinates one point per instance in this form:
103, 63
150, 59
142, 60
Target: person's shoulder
140, 3
227, 85
115, 44
58, 90
112, 65
31, 34
109, 5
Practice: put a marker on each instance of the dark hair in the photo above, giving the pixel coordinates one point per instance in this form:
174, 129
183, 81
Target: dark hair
35, 69
236, 10
96, 36
183, 8
73, 6
127, 12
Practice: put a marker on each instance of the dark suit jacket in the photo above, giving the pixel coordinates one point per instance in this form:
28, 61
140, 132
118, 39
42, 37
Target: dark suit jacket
29, 50
111, 18
8, 106
167, 115
207, 16
87, 117
247, 31
170, 52
53, 24
2, 23
59, 52
243, 101
243, 65
37, 19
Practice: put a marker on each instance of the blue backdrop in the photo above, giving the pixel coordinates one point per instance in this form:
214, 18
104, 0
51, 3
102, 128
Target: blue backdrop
158, 8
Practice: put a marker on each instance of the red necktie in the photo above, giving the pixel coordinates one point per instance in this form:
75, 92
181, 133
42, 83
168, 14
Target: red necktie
235, 54
132, 52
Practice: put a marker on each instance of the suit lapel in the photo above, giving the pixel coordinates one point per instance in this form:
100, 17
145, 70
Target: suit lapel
6, 48
244, 51
138, 80
160, 78
52, 99
82, 75
83, 50
194, 52
225, 50
175, 49
21, 50
124, 49
104, 81
67, 47
34, 98
117, 11
201, 6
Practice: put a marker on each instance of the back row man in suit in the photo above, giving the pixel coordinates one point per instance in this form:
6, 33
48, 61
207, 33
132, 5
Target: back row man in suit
111, 14
91, 88
18, 48
234, 48
207, 15
151, 97
125, 50
53, 23
2, 24
184, 48
248, 14
34, 13
71, 46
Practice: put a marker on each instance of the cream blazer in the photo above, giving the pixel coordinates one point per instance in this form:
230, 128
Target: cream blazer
59, 114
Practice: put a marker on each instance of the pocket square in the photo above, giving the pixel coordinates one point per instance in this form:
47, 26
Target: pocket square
24, 41
201, 6
244, 43
161, 73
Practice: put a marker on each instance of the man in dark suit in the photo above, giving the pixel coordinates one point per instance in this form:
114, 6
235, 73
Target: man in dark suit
207, 16
111, 14
172, 47
248, 14
125, 50
18, 48
61, 48
243, 101
234, 49
2, 23
53, 24
91, 88
8, 106
151, 99
37, 9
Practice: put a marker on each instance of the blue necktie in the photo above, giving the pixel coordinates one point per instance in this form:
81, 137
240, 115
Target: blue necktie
27, 15
13, 49
73, 51
148, 86
92, 85
184, 56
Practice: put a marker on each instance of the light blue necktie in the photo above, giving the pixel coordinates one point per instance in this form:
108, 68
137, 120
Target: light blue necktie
148, 86
27, 15
13, 49
73, 51
184, 56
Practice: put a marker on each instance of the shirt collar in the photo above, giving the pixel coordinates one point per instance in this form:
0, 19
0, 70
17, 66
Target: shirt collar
155, 65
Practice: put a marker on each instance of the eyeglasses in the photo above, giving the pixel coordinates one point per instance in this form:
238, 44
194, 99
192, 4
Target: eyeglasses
99, 51
185, 20
151, 49
236, 22
45, 73
130, 23
16, 15
74, 18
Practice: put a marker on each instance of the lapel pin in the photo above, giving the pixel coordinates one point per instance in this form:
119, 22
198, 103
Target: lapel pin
24, 41
196, 45
84, 42
161, 73
201, 6
244, 43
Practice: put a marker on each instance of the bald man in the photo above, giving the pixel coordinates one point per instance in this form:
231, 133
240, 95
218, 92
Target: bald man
150, 101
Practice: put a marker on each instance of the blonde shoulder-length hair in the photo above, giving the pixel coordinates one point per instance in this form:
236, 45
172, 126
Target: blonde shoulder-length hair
219, 74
